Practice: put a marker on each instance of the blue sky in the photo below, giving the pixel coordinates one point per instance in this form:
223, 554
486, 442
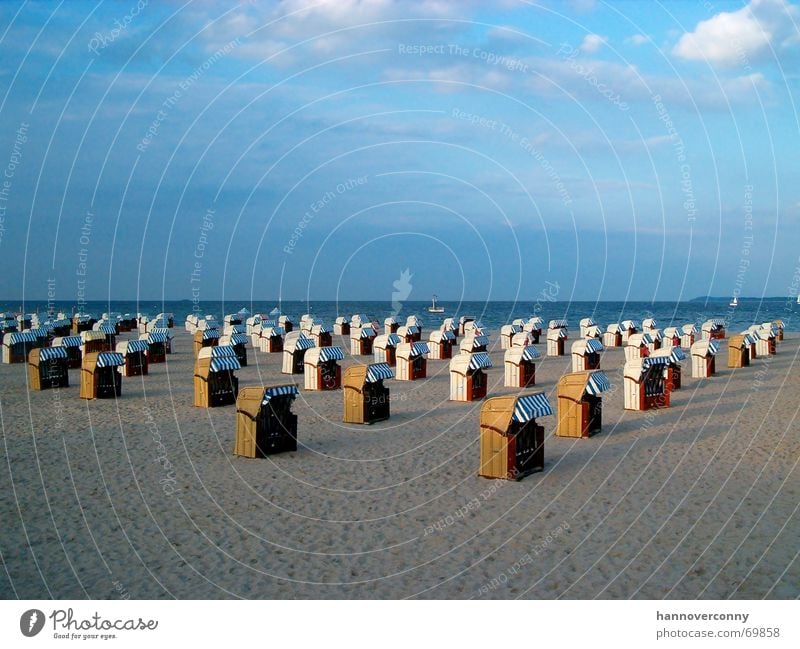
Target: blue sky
635, 150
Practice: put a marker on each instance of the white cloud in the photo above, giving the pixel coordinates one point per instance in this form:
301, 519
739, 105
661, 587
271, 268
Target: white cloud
592, 43
759, 30
638, 39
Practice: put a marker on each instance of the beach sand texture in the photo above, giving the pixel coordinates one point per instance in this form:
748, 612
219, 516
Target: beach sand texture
698, 500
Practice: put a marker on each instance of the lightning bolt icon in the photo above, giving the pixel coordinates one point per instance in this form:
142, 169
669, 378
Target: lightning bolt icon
32, 621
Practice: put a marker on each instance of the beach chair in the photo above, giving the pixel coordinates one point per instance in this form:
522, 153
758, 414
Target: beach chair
47, 368
265, 423
580, 408
100, 375
322, 371
511, 440
468, 381
586, 354
366, 399
520, 366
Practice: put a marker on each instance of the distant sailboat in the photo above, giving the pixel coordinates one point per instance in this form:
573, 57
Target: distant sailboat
798, 299
434, 308
275, 311
734, 302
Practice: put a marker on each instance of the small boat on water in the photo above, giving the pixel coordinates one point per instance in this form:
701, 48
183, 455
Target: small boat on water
434, 308
734, 302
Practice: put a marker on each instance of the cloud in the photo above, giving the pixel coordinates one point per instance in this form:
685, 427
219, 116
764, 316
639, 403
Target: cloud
758, 31
638, 39
592, 43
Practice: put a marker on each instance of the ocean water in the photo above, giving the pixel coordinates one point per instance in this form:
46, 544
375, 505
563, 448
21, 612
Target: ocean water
492, 314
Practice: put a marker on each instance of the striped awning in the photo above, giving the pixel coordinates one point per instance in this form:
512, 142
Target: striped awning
330, 354
239, 339
562, 333
50, 353
647, 339
448, 335
393, 340
630, 324
531, 406
649, 361
223, 351
40, 332
593, 346
320, 329
17, 337
157, 337
719, 322
238, 329
515, 329
278, 391
208, 334
224, 364
71, 341
480, 341
418, 349
61, 322
597, 384
367, 332
107, 329
136, 346
303, 343
479, 361
210, 324
110, 359
530, 353
266, 324
412, 329
378, 372
557, 324
274, 331
677, 355
713, 347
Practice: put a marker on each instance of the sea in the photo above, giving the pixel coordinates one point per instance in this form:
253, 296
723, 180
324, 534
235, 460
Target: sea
492, 314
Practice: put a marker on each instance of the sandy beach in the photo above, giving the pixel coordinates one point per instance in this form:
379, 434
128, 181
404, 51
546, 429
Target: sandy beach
142, 497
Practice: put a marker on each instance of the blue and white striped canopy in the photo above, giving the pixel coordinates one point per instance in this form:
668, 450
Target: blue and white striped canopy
393, 340
598, 383
278, 391
157, 337
320, 329
677, 355
529, 407
647, 339
61, 322
480, 341
50, 353
418, 349
713, 347
108, 329
136, 346
239, 339
268, 323
209, 334
367, 332
593, 346
649, 361
40, 332
448, 335
17, 337
110, 359
212, 324
558, 324
562, 333
302, 343
530, 353
71, 341
412, 329
330, 354
479, 361
277, 332
223, 351
224, 364
378, 372
238, 329
719, 322
630, 324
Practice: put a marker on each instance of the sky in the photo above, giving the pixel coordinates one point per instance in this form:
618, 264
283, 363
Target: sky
633, 150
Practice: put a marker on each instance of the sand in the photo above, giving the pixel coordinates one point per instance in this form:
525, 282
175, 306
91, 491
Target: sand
142, 497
